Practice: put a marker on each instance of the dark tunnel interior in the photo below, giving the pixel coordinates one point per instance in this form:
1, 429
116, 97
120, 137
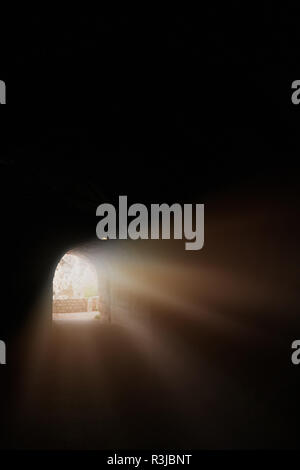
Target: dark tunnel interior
193, 348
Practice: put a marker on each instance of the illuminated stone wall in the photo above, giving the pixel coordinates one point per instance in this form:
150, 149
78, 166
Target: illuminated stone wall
75, 305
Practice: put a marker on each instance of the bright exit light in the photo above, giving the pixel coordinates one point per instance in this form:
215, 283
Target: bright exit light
75, 289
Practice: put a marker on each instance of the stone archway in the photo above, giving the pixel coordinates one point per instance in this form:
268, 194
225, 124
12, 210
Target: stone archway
80, 291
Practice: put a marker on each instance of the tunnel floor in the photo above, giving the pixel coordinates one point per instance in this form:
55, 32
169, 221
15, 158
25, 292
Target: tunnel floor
77, 316
90, 385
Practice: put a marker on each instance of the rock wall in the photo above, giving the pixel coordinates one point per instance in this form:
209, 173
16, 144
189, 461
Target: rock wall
75, 305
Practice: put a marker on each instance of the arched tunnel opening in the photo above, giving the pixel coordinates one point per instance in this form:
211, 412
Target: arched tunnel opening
75, 290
